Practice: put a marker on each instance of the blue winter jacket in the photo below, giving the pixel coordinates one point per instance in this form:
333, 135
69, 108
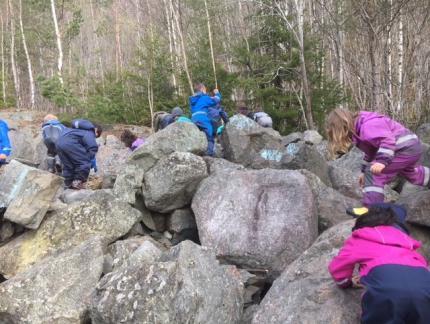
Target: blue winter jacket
5, 147
201, 102
80, 140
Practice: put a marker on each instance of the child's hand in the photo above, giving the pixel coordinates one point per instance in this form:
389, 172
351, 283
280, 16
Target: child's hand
356, 282
216, 91
361, 180
377, 168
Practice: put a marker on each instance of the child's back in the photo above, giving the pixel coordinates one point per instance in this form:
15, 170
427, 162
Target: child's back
395, 275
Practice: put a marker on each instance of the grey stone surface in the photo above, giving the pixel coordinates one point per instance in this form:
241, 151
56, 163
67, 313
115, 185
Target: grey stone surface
247, 143
27, 193
292, 138
172, 182
221, 165
305, 292
255, 219
181, 219
100, 215
304, 156
56, 290
186, 285
418, 206
331, 204
312, 137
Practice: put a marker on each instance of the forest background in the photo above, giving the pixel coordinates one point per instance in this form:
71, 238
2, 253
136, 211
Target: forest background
119, 61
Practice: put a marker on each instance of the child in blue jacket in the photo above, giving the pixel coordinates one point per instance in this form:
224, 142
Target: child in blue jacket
200, 103
77, 148
5, 148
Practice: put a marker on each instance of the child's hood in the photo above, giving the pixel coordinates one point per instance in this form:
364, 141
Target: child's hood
51, 122
82, 124
195, 98
387, 235
364, 117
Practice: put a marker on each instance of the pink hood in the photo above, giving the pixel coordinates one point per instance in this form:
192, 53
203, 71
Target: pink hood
373, 246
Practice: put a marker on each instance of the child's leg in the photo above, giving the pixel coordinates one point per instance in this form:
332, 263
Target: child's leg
373, 191
82, 171
68, 168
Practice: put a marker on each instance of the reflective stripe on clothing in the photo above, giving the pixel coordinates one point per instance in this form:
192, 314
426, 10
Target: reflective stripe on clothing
426, 176
199, 113
374, 189
405, 138
386, 151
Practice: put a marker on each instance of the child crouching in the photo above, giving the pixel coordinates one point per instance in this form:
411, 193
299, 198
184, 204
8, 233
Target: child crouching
395, 275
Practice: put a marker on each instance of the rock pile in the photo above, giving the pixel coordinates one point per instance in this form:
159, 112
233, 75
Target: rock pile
182, 238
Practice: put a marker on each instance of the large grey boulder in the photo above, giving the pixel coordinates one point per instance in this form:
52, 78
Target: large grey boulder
312, 137
305, 292
292, 138
128, 184
172, 182
221, 165
56, 290
247, 143
186, 285
121, 251
111, 157
177, 137
331, 204
100, 215
27, 144
257, 219
304, 156
418, 207
27, 193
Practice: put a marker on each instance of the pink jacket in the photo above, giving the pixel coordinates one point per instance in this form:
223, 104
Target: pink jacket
380, 137
371, 247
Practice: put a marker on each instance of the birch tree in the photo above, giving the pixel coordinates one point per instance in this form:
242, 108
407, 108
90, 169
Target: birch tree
59, 43
27, 56
12, 56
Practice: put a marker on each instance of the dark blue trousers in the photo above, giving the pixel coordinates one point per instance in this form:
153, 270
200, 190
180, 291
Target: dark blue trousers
203, 122
76, 162
396, 294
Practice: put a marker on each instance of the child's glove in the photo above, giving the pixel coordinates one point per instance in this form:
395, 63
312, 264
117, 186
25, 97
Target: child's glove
94, 165
220, 130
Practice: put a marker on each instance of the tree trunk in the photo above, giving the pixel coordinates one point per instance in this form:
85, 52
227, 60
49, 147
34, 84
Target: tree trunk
184, 53
27, 56
118, 50
12, 56
210, 42
59, 44
98, 47
171, 49
305, 81
3, 81
400, 58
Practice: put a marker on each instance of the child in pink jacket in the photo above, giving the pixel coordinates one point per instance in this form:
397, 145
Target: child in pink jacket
395, 275
389, 149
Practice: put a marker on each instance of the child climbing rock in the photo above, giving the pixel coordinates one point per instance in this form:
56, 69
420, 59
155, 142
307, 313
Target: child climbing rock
394, 274
390, 149
200, 103
77, 148
51, 131
131, 140
5, 147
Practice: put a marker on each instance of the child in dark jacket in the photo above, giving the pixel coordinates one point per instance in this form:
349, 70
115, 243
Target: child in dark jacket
77, 148
394, 274
52, 129
389, 149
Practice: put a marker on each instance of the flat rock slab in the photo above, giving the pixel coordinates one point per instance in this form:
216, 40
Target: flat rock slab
27, 193
56, 290
101, 215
